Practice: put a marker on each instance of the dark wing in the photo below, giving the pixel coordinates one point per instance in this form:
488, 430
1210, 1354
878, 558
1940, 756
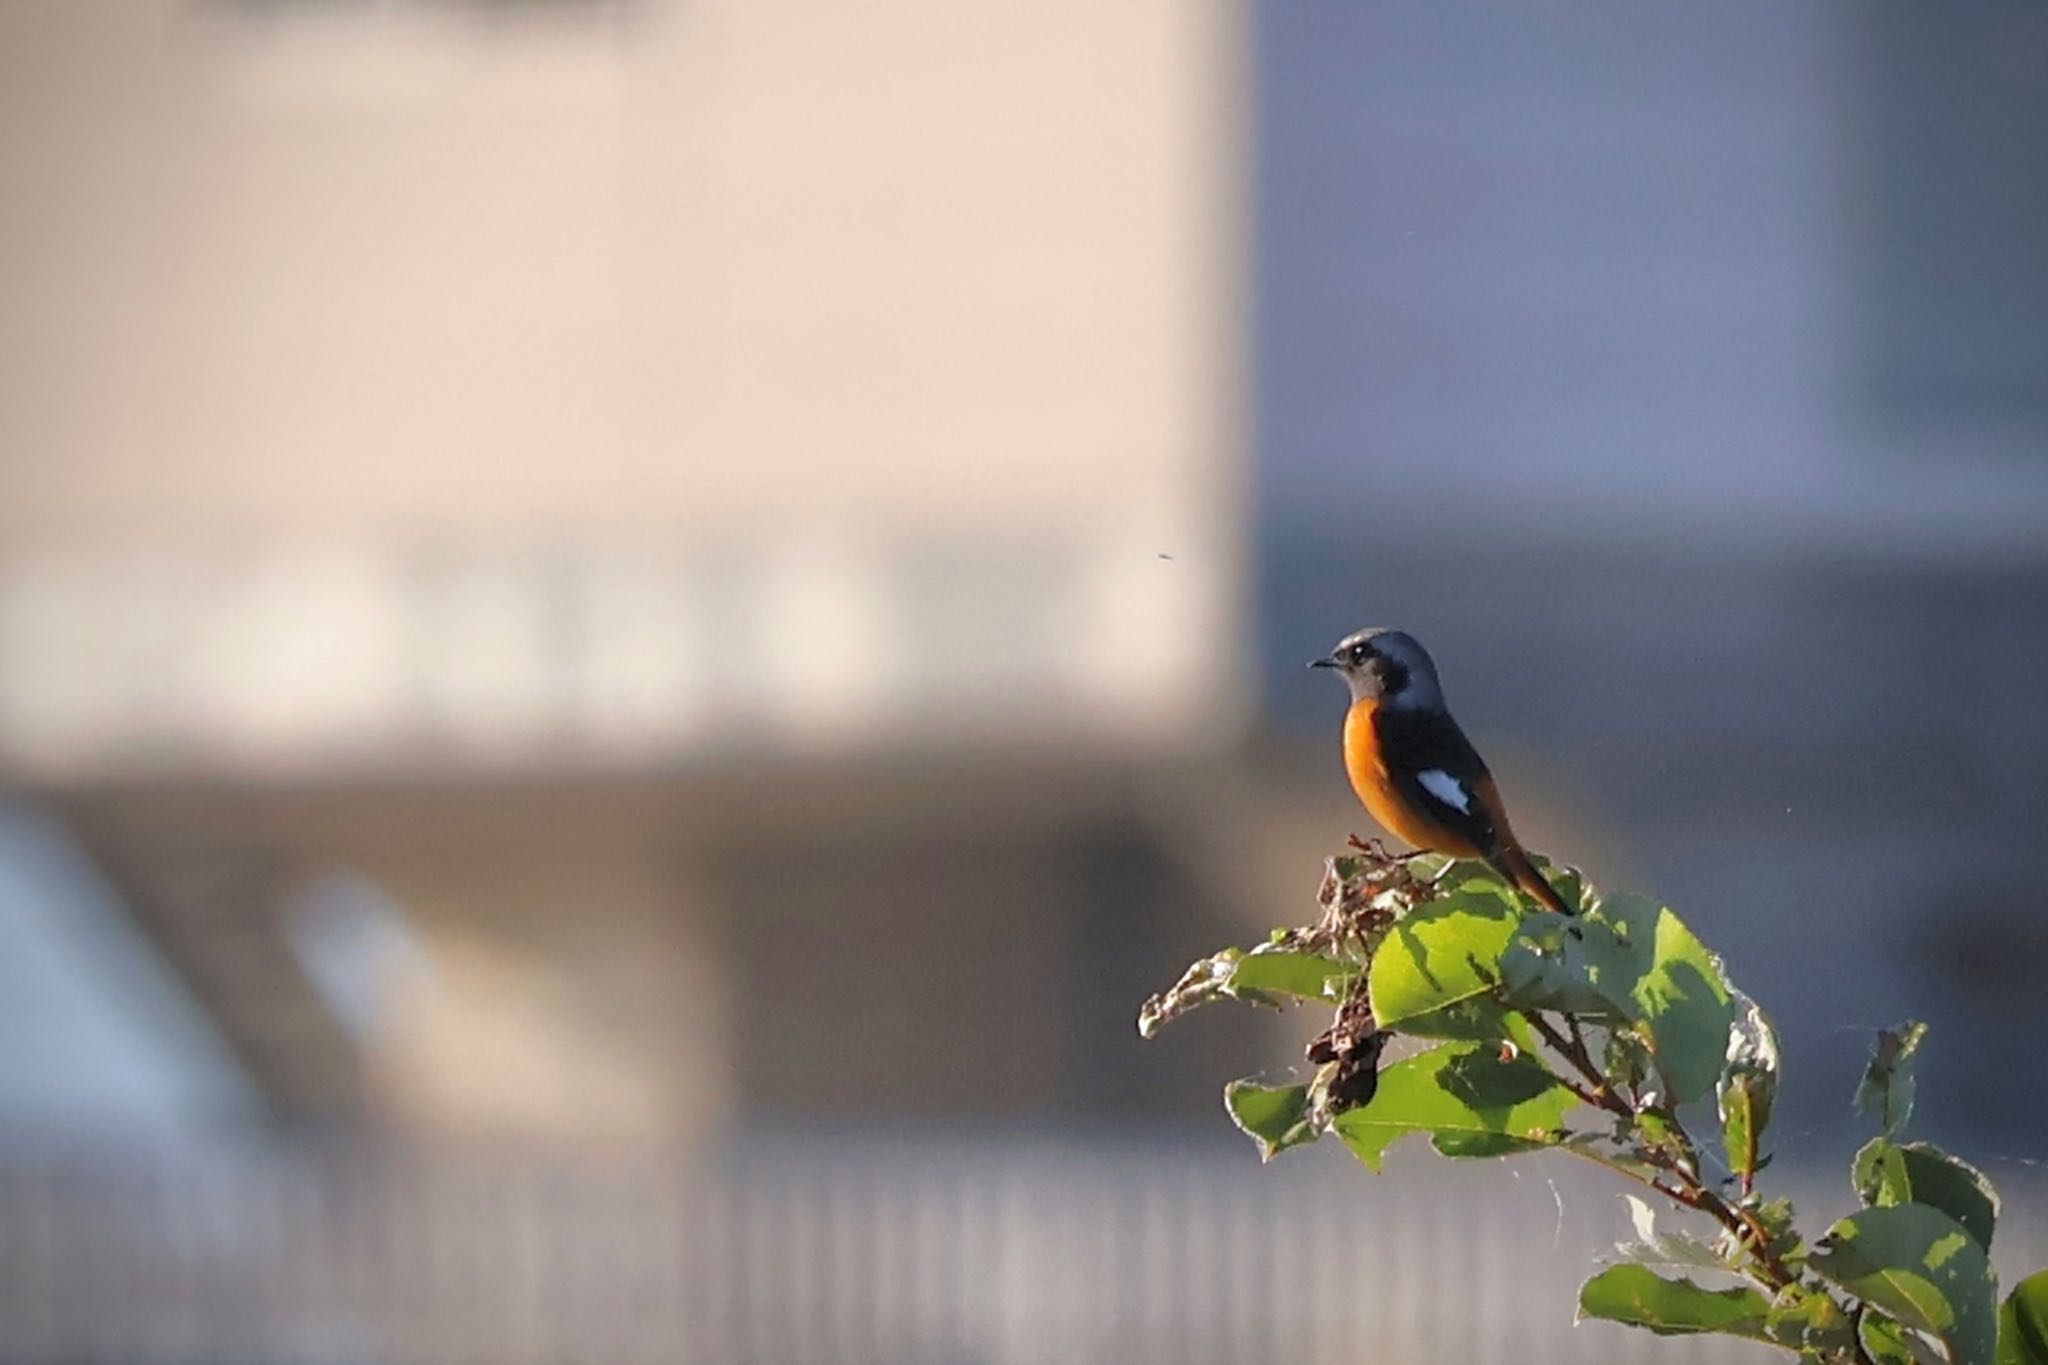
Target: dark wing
1435, 770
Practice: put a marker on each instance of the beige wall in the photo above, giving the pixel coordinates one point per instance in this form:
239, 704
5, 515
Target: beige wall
849, 296
737, 259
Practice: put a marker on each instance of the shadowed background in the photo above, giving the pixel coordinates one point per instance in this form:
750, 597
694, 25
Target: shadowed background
629, 631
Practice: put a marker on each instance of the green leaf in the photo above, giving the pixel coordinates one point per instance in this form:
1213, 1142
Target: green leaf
1458, 874
1805, 1319
1568, 882
1552, 967
2023, 1323
1748, 1086
1775, 1216
1886, 1091
1918, 1265
1274, 1117
1447, 875
1435, 974
1626, 1059
1630, 959
1427, 867
1886, 1173
1640, 1297
1464, 1097
1259, 977
1887, 1343
1289, 972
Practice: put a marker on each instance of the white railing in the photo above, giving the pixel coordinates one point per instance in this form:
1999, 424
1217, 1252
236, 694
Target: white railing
809, 1252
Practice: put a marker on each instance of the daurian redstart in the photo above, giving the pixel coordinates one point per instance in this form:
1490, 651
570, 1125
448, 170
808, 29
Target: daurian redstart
1413, 767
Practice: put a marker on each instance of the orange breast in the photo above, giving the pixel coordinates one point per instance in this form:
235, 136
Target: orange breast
1368, 773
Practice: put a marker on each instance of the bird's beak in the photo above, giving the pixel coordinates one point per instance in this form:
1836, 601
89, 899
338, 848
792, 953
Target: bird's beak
1323, 663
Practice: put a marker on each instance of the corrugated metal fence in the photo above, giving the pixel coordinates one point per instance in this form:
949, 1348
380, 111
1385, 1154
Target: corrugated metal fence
812, 1252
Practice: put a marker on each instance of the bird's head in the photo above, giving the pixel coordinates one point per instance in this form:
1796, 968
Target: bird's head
1388, 667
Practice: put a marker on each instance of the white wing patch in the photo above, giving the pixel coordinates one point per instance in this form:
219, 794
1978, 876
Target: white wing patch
1446, 789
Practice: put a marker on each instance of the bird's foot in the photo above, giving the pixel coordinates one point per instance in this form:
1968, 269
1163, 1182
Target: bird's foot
1379, 851
1370, 846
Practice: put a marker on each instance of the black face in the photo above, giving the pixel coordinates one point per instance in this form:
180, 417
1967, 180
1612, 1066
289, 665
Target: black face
1390, 676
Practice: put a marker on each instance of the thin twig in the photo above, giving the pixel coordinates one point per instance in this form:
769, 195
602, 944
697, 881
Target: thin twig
1571, 1026
1586, 1096
1774, 1276
1621, 1168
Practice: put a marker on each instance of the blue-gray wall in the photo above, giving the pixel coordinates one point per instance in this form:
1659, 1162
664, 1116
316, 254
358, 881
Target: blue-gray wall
1585, 348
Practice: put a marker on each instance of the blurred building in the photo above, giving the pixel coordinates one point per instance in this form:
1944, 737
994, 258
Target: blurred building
539, 540
579, 577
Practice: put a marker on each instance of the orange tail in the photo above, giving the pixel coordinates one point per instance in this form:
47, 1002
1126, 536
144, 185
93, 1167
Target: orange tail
1514, 865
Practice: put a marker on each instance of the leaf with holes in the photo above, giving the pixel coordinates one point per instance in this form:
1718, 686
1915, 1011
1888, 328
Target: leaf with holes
1747, 1088
1886, 1090
1630, 959
1261, 977
1917, 1264
1639, 1297
1886, 1173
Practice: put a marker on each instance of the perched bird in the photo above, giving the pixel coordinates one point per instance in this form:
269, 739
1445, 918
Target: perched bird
1413, 767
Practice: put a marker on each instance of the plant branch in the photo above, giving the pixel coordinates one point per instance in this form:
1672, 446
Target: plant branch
1738, 1221
1688, 1188
1600, 1095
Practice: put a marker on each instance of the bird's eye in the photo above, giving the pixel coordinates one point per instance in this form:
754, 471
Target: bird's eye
1357, 653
